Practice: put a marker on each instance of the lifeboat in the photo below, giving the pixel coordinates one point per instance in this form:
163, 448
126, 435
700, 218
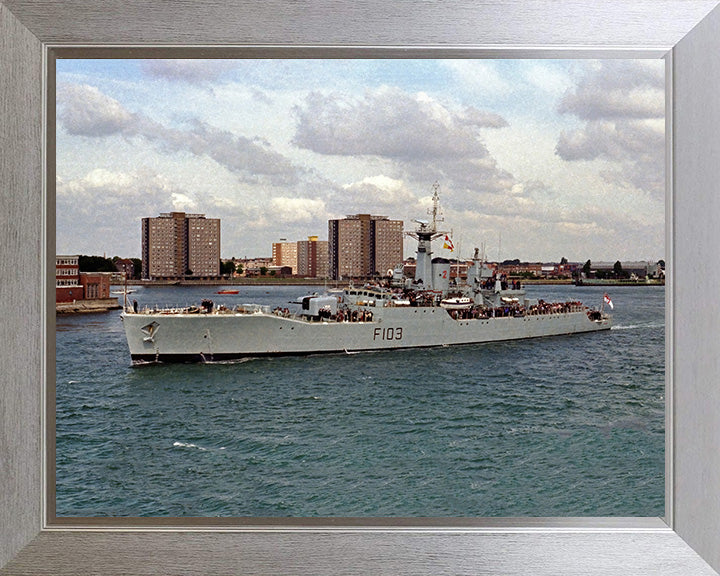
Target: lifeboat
456, 303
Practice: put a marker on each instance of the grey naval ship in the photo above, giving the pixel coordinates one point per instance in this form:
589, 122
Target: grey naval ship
425, 311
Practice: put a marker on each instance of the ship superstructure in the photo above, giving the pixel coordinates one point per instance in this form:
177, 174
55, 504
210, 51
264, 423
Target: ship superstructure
431, 309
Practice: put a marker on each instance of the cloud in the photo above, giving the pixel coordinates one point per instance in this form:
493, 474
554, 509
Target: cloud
252, 159
294, 210
101, 211
474, 117
622, 104
389, 123
182, 202
415, 137
596, 103
189, 71
85, 111
480, 76
579, 168
380, 193
618, 89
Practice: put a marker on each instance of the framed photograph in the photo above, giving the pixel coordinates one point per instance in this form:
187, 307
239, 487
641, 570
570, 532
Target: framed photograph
390, 378
412, 544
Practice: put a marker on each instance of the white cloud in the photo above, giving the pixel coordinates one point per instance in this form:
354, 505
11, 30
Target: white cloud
623, 105
415, 137
546, 76
276, 159
381, 192
193, 71
480, 76
387, 123
101, 178
85, 111
101, 212
183, 202
293, 210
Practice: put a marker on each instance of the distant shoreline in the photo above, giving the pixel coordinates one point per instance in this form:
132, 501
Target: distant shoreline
107, 304
293, 281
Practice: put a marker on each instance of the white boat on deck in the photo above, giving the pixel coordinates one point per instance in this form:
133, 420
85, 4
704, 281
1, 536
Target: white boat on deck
457, 303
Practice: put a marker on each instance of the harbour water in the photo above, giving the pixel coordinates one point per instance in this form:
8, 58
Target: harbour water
562, 426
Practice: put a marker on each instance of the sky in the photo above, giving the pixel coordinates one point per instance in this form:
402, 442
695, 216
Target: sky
534, 159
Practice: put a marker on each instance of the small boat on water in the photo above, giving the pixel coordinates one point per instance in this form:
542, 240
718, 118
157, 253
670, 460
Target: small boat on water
228, 291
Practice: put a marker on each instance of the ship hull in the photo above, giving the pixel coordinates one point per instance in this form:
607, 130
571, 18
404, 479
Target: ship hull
158, 337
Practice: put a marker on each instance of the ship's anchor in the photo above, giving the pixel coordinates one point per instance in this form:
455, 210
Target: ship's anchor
150, 330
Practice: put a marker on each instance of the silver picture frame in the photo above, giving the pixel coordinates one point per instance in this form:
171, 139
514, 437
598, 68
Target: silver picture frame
686, 541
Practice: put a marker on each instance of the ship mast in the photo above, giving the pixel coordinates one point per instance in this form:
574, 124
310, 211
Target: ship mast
436, 217
425, 233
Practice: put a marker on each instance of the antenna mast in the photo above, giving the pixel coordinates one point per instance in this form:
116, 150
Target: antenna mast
435, 213
425, 233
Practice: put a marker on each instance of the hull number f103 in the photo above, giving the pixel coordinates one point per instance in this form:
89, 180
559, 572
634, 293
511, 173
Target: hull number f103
388, 334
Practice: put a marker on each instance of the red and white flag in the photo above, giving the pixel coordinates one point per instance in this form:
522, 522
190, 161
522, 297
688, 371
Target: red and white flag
607, 300
448, 245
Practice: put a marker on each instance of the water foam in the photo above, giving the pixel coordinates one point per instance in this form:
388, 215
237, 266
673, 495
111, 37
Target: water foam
636, 326
188, 445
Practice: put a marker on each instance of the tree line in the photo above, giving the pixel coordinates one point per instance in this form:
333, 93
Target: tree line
102, 264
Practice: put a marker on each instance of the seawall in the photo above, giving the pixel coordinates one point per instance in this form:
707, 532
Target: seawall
85, 306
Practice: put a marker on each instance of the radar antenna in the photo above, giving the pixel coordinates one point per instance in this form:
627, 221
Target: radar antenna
428, 230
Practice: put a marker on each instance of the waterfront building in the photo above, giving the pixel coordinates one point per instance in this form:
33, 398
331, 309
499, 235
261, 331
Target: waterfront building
641, 269
254, 266
96, 285
180, 245
285, 254
67, 279
364, 245
125, 269
312, 258
71, 285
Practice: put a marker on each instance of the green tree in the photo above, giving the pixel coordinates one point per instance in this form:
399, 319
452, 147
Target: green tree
618, 270
586, 268
227, 268
263, 270
95, 264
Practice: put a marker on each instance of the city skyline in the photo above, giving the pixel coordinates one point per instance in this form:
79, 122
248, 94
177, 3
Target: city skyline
537, 159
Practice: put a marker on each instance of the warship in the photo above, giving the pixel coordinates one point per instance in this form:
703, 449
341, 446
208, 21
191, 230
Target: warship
429, 310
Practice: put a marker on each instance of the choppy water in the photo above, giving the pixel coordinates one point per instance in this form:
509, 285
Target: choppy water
564, 426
